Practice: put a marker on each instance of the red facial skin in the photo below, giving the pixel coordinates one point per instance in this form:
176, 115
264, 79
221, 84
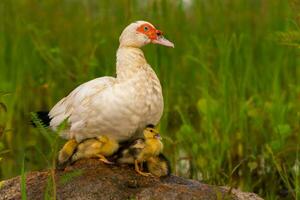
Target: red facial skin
150, 31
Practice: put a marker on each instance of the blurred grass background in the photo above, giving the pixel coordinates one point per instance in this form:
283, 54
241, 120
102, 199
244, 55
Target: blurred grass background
231, 85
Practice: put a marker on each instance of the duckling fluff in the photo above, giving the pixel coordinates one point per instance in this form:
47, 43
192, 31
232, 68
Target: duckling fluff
142, 150
159, 166
101, 147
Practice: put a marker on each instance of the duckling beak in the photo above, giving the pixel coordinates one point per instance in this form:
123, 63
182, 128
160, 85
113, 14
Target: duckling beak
157, 136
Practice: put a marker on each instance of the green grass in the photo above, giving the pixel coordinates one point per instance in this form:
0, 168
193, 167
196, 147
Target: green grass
231, 84
23, 182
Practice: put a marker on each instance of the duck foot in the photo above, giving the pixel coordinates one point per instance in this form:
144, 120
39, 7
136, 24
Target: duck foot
137, 169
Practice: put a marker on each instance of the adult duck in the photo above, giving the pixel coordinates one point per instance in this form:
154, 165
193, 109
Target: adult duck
119, 107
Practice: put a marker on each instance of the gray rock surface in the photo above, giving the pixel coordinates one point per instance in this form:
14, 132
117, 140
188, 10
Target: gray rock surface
91, 179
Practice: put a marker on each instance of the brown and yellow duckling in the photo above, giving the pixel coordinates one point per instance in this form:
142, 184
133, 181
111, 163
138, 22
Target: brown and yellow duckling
141, 150
159, 166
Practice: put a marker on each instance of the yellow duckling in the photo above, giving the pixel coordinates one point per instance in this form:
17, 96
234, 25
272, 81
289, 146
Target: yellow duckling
101, 147
142, 150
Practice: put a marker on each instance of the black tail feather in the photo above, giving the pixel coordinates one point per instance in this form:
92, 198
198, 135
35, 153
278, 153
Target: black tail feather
44, 117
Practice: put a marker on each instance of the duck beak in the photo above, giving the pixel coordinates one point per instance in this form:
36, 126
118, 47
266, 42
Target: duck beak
163, 41
157, 136
158, 38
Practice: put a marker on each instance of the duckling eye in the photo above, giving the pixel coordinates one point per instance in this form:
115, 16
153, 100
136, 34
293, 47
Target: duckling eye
146, 28
151, 130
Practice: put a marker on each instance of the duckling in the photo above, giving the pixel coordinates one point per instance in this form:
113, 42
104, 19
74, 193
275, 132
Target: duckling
142, 150
125, 154
100, 147
159, 166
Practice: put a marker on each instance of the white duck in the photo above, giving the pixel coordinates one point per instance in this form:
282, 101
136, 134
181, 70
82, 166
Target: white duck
120, 107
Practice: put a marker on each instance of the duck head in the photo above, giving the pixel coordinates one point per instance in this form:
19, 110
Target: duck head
140, 33
151, 133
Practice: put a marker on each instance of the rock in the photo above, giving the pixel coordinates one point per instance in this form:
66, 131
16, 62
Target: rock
91, 179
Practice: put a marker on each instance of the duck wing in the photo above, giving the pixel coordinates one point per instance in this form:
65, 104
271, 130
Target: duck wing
77, 98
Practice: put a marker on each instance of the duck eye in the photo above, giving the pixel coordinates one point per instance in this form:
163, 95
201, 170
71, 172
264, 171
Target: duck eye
146, 28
